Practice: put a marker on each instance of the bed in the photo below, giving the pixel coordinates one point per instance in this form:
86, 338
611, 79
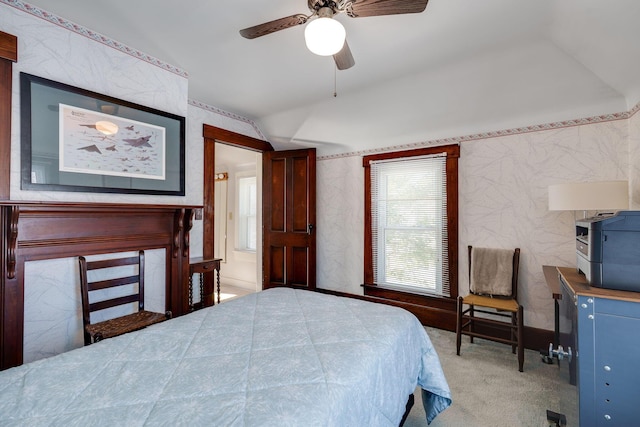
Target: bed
280, 357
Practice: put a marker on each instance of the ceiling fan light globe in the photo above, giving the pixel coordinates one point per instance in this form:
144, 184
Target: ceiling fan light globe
324, 36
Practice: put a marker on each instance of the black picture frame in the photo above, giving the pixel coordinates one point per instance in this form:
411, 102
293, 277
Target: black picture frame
66, 147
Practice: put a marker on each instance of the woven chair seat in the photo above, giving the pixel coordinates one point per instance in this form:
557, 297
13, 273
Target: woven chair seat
124, 324
498, 303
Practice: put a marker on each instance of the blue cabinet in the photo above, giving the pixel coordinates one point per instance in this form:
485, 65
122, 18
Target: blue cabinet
607, 353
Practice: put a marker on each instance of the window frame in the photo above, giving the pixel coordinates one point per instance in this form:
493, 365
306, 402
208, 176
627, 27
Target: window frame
372, 289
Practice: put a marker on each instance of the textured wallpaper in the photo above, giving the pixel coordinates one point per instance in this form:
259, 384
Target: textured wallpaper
503, 203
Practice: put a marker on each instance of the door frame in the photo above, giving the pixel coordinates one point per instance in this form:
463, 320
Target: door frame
213, 135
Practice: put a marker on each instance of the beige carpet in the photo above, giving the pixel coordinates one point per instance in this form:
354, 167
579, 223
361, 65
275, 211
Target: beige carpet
488, 390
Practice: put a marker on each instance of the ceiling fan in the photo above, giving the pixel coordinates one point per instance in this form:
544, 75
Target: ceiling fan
324, 11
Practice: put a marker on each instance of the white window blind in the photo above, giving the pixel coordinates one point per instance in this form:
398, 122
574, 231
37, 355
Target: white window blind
409, 224
247, 213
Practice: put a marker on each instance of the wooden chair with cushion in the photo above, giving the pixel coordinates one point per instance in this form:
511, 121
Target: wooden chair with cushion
493, 287
126, 288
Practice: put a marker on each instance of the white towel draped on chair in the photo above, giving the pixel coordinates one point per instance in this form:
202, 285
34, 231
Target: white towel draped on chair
491, 271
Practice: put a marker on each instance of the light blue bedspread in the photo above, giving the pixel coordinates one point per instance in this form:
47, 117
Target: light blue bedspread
280, 357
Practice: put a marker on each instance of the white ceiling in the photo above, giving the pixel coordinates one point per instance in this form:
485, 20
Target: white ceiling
229, 157
461, 67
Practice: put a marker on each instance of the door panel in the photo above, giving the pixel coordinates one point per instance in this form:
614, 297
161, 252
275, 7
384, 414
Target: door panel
277, 265
277, 190
300, 261
289, 180
300, 190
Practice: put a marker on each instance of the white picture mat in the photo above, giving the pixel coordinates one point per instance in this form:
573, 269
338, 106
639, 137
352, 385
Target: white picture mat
136, 150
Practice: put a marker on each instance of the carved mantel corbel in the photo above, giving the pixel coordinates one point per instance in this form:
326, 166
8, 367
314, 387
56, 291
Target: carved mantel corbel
183, 225
12, 215
187, 232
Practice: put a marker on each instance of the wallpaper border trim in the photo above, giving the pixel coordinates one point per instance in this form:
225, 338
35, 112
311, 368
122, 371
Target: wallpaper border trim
494, 134
228, 115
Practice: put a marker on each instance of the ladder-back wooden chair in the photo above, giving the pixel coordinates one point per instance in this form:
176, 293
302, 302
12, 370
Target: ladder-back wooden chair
126, 281
493, 287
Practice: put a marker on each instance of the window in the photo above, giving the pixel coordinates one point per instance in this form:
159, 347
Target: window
411, 221
247, 227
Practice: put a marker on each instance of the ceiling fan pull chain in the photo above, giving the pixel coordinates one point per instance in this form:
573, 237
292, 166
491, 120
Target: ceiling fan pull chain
335, 81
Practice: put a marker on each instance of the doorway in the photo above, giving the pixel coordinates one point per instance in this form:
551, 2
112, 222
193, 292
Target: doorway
238, 219
287, 254
217, 139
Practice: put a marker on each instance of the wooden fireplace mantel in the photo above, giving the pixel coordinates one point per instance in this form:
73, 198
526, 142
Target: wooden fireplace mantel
39, 230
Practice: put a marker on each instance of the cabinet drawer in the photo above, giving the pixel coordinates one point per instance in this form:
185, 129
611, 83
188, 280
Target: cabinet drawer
617, 307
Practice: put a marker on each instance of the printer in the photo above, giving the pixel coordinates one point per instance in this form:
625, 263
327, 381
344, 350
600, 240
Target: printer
608, 250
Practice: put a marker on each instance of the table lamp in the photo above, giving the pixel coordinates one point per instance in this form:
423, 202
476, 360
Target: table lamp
604, 197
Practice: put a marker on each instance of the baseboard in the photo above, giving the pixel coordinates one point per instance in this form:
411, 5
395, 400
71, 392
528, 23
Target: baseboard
446, 317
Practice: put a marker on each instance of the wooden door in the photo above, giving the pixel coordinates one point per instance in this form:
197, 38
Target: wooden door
289, 218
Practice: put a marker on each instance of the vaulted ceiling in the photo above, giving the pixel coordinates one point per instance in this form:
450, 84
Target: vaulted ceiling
460, 67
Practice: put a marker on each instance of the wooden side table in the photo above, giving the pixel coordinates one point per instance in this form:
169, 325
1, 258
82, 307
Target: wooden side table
203, 265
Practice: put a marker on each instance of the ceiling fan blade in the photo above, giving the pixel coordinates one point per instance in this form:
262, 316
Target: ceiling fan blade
273, 26
364, 8
344, 58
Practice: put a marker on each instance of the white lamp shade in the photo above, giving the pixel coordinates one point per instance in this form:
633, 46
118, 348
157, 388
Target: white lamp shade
324, 36
589, 196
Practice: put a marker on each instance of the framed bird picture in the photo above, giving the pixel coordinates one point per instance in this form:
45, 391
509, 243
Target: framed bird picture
73, 139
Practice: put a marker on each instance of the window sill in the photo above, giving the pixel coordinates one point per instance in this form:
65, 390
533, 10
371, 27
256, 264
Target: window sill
435, 311
247, 256
423, 299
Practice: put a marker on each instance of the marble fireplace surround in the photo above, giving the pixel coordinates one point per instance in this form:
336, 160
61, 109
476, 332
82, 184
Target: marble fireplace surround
38, 231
